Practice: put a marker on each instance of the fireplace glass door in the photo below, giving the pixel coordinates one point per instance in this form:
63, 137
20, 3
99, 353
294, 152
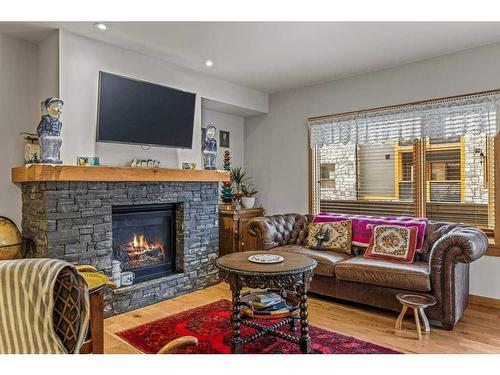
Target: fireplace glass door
144, 240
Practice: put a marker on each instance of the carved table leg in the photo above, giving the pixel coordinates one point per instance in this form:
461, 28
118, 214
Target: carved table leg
293, 324
236, 342
305, 339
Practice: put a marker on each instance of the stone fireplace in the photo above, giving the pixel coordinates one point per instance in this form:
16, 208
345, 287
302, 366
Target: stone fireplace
165, 232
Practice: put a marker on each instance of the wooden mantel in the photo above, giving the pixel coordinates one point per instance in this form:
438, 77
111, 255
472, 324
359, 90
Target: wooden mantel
46, 173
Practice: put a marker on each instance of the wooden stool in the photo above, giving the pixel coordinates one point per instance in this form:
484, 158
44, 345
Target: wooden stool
418, 303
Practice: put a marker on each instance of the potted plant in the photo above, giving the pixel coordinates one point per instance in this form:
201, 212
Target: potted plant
248, 198
238, 176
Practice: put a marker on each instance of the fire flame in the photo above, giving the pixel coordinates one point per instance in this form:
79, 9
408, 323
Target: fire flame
139, 241
140, 245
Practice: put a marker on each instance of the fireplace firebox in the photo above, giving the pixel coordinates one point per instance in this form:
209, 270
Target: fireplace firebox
144, 239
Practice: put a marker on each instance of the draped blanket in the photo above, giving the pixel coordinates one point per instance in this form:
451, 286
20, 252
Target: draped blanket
27, 307
362, 225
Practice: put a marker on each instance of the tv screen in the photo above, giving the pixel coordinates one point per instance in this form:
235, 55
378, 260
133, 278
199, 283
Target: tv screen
132, 111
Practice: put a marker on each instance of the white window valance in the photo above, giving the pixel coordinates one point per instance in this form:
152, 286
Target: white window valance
445, 119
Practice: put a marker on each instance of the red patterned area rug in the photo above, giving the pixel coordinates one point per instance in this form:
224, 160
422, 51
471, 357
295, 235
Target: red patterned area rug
211, 324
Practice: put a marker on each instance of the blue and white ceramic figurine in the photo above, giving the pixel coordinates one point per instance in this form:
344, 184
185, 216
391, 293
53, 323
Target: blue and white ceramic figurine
49, 131
210, 148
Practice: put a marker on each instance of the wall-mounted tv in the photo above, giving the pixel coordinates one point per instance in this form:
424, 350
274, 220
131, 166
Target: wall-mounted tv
133, 111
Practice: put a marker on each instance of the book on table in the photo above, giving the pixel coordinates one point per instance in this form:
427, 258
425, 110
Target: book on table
281, 311
279, 308
267, 297
268, 303
256, 305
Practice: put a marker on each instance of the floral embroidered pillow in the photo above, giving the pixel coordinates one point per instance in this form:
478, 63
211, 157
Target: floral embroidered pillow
334, 236
393, 242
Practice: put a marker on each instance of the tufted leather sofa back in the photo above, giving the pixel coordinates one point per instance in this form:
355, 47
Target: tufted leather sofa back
290, 229
279, 230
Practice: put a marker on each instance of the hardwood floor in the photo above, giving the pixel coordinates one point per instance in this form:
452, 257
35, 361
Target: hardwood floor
477, 332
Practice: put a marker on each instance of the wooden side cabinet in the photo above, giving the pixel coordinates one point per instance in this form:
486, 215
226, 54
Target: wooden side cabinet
233, 233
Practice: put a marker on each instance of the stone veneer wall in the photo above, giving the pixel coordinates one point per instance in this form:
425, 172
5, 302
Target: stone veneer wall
72, 221
476, 191
344, 158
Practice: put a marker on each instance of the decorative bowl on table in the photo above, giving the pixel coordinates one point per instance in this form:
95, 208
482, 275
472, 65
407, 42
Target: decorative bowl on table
266, 258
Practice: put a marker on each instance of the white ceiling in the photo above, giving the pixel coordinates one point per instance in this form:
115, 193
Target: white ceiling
275, 56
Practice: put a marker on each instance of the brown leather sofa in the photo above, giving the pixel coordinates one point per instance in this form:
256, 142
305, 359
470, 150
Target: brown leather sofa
442, 270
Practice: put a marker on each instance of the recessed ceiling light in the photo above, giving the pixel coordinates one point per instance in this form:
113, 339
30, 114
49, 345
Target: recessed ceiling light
209, 63
100, 26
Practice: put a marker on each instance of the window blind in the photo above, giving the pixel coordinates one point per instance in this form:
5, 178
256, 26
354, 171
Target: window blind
434, 158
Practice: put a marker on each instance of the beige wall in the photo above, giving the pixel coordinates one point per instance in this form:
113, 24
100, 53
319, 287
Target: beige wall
234, 125
276, 143
48, 67
19, 112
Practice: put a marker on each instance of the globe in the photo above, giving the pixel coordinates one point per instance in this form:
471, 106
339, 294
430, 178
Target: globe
10, 240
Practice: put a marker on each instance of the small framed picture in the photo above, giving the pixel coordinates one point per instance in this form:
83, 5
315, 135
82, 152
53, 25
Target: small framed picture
82, 161
94, 160
224, 139
189, 165
85, 161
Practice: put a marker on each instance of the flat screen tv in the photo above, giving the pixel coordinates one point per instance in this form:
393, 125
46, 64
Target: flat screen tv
133, 111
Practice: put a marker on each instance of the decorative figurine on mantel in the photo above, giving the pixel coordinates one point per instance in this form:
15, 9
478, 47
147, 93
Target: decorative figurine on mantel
49, 131
210, 148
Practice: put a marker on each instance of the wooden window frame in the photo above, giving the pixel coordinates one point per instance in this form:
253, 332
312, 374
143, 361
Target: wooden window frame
419, 160
457, 146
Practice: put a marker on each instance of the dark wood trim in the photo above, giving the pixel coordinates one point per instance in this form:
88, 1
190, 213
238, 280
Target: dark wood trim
403, 105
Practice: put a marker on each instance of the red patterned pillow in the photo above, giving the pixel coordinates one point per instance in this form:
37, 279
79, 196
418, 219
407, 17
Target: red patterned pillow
393, 242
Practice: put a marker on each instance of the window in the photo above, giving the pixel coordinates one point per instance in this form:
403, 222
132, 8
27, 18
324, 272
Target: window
432, 159
327, 172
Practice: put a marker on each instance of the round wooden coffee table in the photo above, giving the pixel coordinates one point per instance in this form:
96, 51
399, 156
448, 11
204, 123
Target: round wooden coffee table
418, 303
293, 274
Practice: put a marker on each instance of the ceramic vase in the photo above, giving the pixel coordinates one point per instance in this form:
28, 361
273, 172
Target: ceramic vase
248, 202
116, 272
